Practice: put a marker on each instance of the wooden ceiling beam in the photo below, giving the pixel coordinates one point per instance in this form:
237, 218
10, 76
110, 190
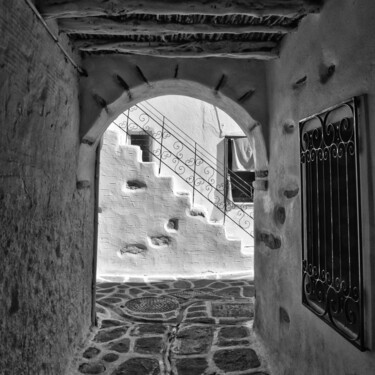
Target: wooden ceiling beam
255, 8
254, 50
106, 26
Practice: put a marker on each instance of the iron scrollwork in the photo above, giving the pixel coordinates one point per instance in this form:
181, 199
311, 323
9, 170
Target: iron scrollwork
187, 160
332, 265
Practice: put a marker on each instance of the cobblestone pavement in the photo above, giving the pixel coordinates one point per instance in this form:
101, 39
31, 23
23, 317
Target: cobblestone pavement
183, 327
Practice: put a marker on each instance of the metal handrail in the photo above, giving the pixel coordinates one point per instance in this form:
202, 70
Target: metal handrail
186, 137
190, 165
174, 126
238, 182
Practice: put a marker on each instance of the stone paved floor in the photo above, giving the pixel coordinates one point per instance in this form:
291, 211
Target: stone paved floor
183, 327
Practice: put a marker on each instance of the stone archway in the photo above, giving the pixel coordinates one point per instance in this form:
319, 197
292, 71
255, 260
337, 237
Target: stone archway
110, 111
106, 111
190, 186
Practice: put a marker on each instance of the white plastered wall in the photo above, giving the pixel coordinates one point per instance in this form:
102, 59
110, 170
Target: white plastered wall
135, 236
192, 121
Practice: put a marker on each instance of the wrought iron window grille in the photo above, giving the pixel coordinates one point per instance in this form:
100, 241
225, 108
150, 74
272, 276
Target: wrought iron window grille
331, 220
176, 150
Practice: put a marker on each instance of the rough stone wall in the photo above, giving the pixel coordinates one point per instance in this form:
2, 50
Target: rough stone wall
342, 35
46, 224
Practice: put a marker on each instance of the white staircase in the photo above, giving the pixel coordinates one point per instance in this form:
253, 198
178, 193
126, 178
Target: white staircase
147, 229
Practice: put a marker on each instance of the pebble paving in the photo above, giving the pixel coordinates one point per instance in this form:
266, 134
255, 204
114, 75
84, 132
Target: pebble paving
182, 327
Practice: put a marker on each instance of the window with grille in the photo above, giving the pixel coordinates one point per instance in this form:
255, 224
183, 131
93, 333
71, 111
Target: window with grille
332, 268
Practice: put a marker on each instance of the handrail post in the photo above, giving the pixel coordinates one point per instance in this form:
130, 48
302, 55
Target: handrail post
161, 144
195, 167
127, 127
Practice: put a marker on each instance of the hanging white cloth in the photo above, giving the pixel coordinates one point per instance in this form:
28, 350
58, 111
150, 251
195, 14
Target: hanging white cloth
242, 155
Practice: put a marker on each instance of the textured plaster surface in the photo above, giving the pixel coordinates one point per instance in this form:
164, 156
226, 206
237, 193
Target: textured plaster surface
191, 120
342, 34
134, 237
46, 225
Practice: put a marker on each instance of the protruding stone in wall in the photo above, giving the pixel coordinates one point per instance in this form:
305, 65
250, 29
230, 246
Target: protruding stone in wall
289, 127
260, 185
222, 82
326, 72
260, 182
291, 193
261, 173
279, 214
134, 185
87, 142
123, 84
270, 240
172, 224
133, 249
83, 184
142, 75
283, 316
197, 212
246, 96
160, 240
100, 101
300, 83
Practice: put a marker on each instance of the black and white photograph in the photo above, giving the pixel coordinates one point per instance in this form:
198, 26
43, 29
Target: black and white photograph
187, 187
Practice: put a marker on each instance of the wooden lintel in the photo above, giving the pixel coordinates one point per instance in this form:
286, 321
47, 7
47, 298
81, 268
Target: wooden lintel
255, 8
233, 49
106, 26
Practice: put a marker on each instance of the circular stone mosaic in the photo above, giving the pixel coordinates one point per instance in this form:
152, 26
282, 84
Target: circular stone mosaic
152, 305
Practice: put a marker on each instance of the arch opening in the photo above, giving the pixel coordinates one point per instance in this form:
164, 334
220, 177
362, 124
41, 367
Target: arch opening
167, 163
130, 97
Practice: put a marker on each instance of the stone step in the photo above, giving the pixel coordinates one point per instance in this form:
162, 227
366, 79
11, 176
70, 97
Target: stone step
185, 197
165, 231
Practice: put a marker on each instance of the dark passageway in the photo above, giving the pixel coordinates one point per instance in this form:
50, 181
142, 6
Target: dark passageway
69, 68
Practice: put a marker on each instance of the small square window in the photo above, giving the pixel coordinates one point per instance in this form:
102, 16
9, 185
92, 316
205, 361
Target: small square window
144, 142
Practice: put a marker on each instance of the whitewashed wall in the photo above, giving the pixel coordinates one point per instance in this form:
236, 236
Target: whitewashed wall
129, 217
194, 121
